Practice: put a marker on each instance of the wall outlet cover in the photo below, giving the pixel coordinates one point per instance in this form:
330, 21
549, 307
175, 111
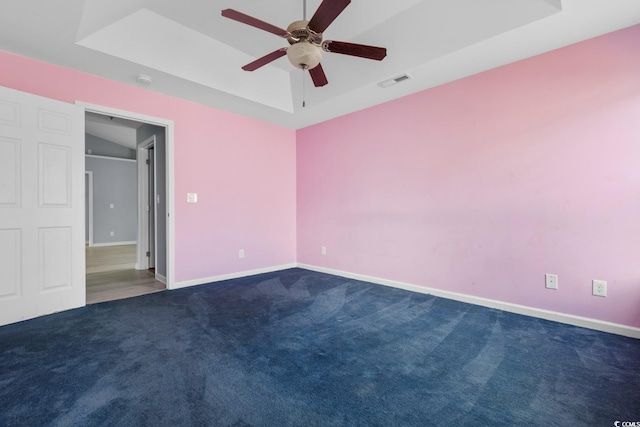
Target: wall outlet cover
551, 281
599, 288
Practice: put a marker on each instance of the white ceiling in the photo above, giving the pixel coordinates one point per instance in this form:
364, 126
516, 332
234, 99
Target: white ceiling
192, 52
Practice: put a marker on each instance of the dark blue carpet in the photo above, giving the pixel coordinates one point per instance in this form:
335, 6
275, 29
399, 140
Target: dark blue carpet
302, 348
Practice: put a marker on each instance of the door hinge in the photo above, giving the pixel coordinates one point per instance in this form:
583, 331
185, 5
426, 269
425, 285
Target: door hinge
148, 254
147, 161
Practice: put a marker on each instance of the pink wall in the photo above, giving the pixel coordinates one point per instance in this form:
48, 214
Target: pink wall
480, 186
484, 185
243, 170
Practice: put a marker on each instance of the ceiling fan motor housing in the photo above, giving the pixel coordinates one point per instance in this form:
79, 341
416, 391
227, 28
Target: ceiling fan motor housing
299, 31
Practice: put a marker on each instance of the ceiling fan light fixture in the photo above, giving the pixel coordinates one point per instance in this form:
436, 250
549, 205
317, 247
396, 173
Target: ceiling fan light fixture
304, 55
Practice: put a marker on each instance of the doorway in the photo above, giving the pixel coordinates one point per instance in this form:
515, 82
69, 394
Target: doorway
153, 236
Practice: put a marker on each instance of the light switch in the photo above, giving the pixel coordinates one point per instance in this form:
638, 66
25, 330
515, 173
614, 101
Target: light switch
192, 197
111, 206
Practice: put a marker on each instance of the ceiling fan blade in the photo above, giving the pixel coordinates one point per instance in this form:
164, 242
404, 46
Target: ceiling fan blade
354, 49
326, 13
254, 22
318, 77
265, 59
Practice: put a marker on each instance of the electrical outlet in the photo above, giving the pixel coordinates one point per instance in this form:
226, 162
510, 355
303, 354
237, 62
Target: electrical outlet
323, 250
551, 281
241, 253
111, 233
599, 288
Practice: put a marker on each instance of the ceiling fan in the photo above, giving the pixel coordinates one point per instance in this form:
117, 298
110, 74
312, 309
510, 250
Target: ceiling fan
305, 38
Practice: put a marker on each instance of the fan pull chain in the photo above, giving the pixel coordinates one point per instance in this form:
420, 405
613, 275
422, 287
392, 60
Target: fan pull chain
304, 17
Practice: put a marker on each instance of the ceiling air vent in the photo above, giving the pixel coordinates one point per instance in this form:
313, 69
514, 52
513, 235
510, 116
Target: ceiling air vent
394, 80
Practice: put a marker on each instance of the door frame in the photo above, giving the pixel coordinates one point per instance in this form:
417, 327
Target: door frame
89, 174
142, 261
168, 125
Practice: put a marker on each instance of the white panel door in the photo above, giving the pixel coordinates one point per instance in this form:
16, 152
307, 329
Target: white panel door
42, 256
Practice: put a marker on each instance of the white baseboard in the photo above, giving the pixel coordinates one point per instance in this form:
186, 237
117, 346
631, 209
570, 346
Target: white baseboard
584, 322
162, 279
114, 244
229, 276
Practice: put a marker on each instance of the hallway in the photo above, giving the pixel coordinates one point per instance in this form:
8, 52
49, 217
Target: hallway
111, 274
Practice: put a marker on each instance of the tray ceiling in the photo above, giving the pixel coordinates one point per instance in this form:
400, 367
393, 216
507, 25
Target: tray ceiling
192, 52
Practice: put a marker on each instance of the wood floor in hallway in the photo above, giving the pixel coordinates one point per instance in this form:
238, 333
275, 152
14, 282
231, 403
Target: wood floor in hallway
111, 274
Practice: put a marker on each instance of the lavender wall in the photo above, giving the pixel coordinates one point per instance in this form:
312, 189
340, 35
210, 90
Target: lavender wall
484, 185
243, 170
